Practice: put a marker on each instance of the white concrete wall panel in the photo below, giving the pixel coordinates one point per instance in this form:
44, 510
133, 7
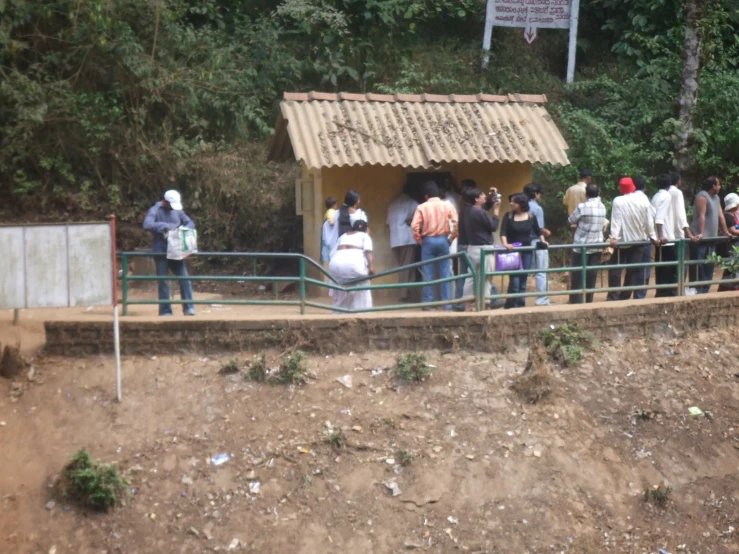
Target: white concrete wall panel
90, 265
12, 282
47, 273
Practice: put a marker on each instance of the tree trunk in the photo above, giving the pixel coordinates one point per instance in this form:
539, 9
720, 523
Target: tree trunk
689, 88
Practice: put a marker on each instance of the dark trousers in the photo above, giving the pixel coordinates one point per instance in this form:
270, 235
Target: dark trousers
517, 283
646, 272
666, 275
164, 266
591, 260
405, 255
634, 276
701, 272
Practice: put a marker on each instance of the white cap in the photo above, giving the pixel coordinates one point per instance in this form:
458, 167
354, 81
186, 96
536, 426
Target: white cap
173, 197
731, 201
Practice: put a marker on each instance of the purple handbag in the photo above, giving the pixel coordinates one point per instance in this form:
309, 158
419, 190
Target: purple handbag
508, 261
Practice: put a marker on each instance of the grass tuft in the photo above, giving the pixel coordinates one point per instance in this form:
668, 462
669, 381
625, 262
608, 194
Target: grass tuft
412, 366
92, 484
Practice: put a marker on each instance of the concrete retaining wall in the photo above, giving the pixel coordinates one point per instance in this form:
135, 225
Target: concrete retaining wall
490, 331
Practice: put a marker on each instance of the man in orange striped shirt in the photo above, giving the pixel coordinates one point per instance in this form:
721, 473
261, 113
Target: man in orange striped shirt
434, 228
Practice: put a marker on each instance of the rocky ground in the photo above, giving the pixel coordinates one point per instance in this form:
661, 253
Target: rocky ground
460, 462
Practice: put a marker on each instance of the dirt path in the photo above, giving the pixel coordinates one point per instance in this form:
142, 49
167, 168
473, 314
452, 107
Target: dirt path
488, 474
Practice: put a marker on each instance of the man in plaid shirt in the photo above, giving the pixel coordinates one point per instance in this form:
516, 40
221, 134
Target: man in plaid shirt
589, 219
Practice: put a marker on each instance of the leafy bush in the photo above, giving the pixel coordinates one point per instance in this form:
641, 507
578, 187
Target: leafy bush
292, 370
658, 495
336, 438
256, 370
92, 484
231, 367
566, 343
412, 366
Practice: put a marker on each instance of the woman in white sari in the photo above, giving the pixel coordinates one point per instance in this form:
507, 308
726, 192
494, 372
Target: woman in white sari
352, 259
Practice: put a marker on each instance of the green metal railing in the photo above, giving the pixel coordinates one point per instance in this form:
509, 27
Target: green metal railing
480, 278
302, 280
681, 263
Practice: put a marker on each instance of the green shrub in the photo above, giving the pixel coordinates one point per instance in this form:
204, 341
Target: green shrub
566, 343
92, 484
256, 370
412, 366
292, 370
230, 367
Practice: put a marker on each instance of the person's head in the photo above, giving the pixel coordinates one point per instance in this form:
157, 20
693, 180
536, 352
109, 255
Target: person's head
519, 203
731, 202
172, 200
675, 179
592, 190
626, 185
712, 185
431, 190
474, 196
468, 184
532, 191
663, 181
330, 203
640, 182
351, 199
360, 225
586, 175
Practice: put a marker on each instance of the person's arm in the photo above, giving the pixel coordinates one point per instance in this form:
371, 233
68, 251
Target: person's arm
724, 228
649, 224
185, 221
701, 204
151, 223
574, 219
370, 261
454, 223
504, 233
538, 231
416, 224
615, 224
566, 198
661, 208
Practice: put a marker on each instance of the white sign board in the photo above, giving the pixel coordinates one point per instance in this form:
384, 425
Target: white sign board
56, 266
531, 15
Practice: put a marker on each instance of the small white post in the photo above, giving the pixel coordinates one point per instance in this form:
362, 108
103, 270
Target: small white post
487, 37
574, 17
117, 347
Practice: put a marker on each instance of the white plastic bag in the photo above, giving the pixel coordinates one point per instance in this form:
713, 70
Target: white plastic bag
181, 243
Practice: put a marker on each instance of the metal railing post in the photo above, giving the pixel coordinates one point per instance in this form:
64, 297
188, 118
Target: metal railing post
681, 267
302, 286
584, 275
480, 288
124, 282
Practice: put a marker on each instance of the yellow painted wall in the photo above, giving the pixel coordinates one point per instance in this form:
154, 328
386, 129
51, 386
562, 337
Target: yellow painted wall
380, 185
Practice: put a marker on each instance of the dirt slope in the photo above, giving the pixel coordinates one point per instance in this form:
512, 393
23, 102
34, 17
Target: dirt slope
488, 473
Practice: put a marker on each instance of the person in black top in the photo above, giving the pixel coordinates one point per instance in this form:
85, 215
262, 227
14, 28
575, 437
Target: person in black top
518, 228
476, 228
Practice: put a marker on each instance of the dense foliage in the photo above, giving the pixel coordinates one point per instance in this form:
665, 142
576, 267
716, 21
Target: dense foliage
105, 103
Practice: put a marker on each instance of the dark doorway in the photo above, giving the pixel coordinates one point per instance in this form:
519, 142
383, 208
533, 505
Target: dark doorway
416, 180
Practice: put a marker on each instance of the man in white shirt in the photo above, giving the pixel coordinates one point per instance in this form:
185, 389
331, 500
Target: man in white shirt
640, 183
665, 221
682, 227
399, 216
631, 221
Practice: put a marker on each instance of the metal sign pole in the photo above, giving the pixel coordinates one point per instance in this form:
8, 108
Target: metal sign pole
574, 16
116, 326
489, 10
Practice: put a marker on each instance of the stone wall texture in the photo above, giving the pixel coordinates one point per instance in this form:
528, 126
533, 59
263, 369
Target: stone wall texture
488, 331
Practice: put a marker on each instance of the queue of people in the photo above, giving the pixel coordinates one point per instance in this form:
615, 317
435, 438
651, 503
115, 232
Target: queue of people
467, 219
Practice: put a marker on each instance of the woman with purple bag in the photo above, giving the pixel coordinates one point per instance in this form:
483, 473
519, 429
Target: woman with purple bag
517, 228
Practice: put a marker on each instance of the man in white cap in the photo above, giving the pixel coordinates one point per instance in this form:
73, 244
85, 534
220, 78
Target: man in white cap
167, 215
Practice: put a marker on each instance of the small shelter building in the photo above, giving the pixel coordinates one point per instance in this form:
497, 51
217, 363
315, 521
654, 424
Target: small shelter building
376, 143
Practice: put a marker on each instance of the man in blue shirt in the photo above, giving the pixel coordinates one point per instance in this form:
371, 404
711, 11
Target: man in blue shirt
164, 216
541, 257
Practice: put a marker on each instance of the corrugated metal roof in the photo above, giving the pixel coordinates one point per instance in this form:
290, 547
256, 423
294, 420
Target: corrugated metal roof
419, 131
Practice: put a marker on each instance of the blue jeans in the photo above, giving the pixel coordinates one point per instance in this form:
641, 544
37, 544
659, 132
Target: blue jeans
435, 247
517, 283
541, 261
701, 272
646, 272
178, 268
